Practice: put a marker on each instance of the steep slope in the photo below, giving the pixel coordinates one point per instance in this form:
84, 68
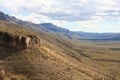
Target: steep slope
60, 32
54, 28
53, 58
12, 19
34, 62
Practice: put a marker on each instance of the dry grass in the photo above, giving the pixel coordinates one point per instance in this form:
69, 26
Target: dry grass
60, 59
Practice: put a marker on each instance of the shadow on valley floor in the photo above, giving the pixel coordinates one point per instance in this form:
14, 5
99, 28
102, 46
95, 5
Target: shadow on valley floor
114, 48
107, 60
81, 52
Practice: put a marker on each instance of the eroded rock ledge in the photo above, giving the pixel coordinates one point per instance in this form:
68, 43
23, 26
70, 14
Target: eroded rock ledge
19, 42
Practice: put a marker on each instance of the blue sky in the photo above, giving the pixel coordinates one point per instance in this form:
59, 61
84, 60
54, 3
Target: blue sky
76, 15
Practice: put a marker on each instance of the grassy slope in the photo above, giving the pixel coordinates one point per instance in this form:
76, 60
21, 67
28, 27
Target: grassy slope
58, 59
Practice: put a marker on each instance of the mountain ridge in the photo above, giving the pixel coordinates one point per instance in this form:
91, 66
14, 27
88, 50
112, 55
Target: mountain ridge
62, 32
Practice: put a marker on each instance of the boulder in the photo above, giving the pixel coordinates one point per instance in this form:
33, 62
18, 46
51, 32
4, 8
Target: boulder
40, 42
36, 41
27, 42
22, 42
2, 74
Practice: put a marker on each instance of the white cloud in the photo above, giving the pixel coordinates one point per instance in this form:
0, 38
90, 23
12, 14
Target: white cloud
115, 13
76, 14
36, 18
13, 5
63, 9
95, 26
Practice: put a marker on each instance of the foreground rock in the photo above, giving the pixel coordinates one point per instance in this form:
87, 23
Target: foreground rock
2, 74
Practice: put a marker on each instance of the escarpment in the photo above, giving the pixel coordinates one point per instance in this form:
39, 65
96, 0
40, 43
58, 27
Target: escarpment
19, 42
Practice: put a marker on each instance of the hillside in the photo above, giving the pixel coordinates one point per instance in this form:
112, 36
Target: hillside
53, 58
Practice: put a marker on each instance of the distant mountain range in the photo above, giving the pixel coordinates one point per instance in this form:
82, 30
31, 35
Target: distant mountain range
62, 32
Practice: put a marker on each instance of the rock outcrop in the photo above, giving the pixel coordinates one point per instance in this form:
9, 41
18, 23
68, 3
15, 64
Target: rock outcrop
35, 41
18, 42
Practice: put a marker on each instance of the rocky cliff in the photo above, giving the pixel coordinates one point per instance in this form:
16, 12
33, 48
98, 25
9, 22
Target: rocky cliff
18, 42
16, 38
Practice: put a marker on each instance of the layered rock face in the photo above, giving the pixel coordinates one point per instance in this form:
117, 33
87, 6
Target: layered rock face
18, 42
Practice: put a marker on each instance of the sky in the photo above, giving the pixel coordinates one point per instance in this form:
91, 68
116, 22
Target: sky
101, 16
